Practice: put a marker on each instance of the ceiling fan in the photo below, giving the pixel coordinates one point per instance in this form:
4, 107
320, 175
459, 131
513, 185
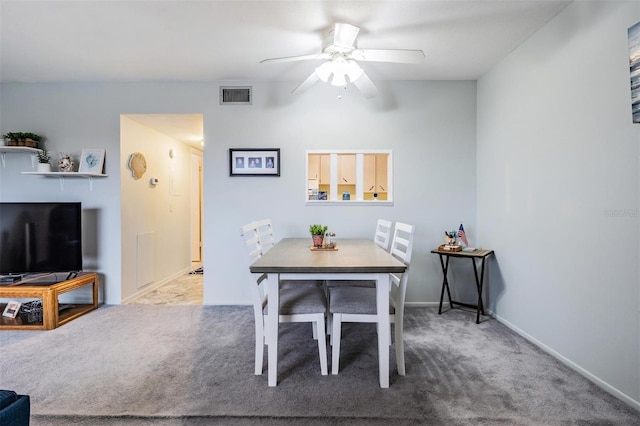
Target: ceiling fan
341, 53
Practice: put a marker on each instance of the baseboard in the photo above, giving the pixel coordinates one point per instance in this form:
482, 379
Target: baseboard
420, 304
149, 288
604, 385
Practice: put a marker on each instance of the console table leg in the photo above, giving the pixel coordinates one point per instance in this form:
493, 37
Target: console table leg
445, 284
49, 310
479, 285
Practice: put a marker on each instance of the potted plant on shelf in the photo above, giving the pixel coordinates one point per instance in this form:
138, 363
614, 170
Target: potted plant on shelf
317, 234
43, 161
31, 139
12, 138
27, 139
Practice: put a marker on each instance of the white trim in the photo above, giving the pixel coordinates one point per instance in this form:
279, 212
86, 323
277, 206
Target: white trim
420, 304
357, 197
601, 383
149, 288
604, 385
348, 203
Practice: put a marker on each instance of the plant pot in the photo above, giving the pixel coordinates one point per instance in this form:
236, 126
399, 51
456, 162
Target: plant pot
317, 240
44, 167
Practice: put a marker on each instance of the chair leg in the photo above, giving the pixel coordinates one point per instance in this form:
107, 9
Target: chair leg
260, 340
322, 345
399, 341
315, 332
335, 342
259, 351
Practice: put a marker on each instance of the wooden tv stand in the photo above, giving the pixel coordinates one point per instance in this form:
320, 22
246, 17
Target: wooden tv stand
37, 287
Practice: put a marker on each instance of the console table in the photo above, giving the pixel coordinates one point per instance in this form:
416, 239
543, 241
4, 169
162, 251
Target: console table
473, 255
46, 288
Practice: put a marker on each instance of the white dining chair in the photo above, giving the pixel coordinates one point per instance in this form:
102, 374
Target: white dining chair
381, 237
358, 304
299, 302
383, 233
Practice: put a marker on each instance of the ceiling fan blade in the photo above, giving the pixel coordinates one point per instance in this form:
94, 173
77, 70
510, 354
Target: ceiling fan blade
310, 81
366, 86
297, 58
405, 56
344, 35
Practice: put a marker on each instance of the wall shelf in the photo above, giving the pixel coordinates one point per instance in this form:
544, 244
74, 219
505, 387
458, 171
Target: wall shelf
19, 150
62, 175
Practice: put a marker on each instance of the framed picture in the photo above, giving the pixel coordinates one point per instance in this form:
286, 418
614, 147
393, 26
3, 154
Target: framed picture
254, 162
634, 67
92, 161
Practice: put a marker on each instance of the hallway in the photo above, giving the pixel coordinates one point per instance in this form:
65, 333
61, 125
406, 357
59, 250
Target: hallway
185, 290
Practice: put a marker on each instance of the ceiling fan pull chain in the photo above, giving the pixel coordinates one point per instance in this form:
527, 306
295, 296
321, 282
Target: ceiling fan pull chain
340, 91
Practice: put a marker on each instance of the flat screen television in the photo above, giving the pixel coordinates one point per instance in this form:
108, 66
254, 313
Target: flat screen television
40, 237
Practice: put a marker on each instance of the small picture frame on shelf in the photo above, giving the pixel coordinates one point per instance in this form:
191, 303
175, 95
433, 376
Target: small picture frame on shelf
91, 161
11, 310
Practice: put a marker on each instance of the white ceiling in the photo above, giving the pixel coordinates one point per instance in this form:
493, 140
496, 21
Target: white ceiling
216, 40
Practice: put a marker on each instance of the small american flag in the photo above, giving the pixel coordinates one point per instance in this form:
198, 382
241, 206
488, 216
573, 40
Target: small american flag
463, 236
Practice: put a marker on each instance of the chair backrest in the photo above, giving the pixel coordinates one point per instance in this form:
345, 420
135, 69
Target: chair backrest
401, 249
258, 239
383, 233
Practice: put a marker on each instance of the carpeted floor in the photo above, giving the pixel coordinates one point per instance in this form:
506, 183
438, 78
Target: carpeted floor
193, 365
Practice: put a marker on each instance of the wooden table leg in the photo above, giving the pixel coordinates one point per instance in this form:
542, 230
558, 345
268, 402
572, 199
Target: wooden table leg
49, 310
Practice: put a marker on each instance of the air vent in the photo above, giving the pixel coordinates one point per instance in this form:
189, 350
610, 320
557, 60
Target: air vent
235, 95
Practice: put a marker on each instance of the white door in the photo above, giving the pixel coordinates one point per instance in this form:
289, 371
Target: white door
196, 208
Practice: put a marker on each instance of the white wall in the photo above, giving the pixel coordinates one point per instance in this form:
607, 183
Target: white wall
557, 178
430, 126
161, 209
558, 192
69, 119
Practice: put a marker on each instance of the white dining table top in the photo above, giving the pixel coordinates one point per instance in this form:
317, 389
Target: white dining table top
294, 255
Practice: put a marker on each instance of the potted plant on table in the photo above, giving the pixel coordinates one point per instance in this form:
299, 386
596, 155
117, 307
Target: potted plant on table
43, 161
317, 234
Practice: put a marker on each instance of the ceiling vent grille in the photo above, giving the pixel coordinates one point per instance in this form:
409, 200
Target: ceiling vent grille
235, 95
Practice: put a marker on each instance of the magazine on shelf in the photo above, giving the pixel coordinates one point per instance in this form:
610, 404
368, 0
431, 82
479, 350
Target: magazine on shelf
11, 310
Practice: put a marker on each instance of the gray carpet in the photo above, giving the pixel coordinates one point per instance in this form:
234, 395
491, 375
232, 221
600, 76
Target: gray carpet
193, 365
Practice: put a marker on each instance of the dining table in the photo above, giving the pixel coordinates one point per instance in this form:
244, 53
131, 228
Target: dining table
351, 259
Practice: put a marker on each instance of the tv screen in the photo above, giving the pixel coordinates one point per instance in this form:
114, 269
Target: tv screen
40, 237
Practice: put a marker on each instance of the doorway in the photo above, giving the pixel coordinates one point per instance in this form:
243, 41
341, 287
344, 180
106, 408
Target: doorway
167, 202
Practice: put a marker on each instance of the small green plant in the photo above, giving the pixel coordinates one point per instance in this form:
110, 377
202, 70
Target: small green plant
32, 136
43, 157
318, 229
14, 136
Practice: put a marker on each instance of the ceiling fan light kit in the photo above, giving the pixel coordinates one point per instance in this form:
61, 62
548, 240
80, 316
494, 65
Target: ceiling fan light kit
342, 68
336, 71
